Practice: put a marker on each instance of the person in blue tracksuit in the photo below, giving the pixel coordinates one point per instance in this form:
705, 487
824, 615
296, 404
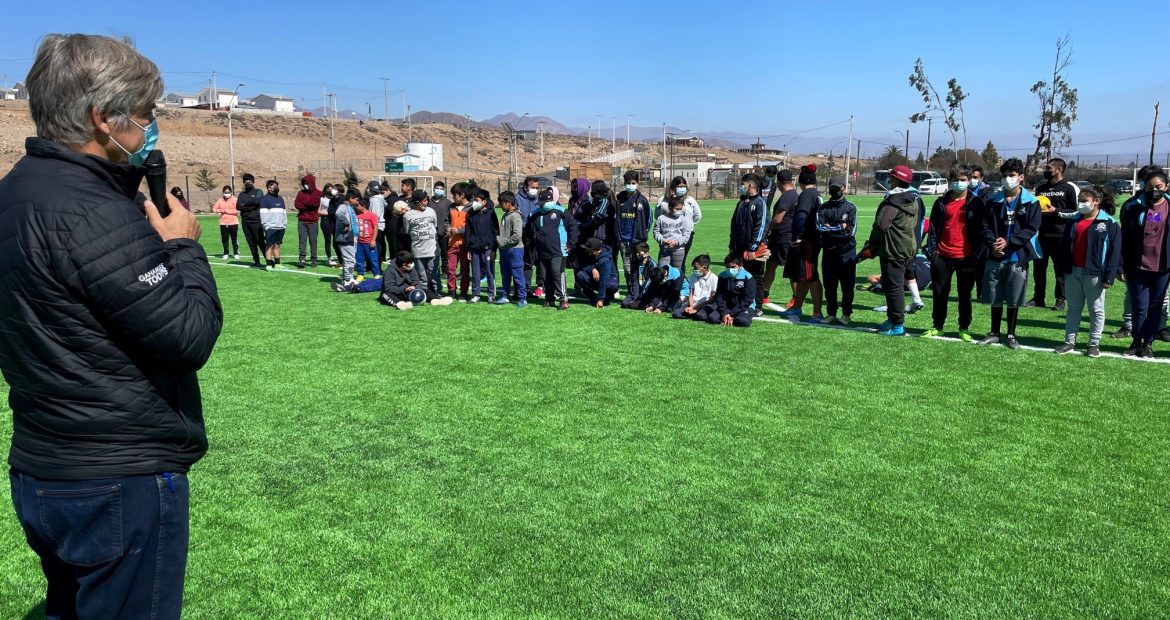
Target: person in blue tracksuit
749, 225
527, 204
665, 289
1011, 222
554, 234
482, 229
597, 275
639, 276
1090, 254
735, 296
634, 221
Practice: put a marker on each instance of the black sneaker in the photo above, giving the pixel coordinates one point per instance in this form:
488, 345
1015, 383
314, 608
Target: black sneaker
301, 265
1012, 343
990, 339
1121, 333
759, 313
1164, 335
1065, 348
1132, 351
1094, 351
1147, 352
1060, 306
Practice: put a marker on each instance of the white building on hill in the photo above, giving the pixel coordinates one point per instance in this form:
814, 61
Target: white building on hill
276, 103
221, 99
182, 100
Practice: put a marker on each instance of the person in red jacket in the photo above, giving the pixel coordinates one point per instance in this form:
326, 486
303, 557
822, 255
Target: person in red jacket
307, 203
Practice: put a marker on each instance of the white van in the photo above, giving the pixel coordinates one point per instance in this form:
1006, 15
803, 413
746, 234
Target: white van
933, 186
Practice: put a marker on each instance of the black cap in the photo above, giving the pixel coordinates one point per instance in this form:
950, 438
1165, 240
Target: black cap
248, 177
418, 195
784, 176
593, 244
837, 182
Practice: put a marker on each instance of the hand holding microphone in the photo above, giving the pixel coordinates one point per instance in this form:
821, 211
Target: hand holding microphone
165, 213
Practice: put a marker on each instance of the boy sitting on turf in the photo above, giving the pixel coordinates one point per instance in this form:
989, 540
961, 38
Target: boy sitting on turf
698, 290
664, 290
598, 277
401, 286
639, 275
735, 296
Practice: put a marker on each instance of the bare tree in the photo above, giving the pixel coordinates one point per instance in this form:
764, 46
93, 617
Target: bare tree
1058, 107
933, 102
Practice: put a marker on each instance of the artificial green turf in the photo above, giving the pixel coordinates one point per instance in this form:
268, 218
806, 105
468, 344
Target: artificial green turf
493, 461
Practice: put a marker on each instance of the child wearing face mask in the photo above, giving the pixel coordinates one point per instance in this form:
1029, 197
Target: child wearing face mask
326, 221
1091, 255
457, 258
836, 223
735, 296
634, 221
673, 231
1011, 222
482, 228
691, 210
953, 246
229, 223
698, 291
638, 278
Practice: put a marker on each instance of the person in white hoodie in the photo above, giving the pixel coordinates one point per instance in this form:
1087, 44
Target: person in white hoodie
691, 209
698, 290
673, 231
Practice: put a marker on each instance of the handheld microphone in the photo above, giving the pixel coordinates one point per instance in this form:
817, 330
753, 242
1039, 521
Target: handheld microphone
156, 181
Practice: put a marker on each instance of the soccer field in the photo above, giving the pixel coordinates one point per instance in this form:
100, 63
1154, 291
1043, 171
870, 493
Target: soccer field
478, 460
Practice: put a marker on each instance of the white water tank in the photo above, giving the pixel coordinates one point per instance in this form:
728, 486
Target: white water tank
430, 154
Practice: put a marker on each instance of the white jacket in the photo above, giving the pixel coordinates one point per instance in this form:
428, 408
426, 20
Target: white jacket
690, 209
703, 287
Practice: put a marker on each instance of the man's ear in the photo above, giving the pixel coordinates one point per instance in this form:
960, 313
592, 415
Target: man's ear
99, 123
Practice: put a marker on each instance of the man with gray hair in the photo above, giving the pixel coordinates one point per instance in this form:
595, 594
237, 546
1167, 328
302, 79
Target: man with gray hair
107, 310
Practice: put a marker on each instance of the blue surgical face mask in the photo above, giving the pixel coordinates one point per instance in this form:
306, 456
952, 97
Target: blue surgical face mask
680, 191
439, 193
631, 187
138, 158
734, 271
959, 186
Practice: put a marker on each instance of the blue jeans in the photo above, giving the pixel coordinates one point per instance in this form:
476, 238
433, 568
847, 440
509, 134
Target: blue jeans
481, 266
512, 273
113, 548
366, 253
1146, 291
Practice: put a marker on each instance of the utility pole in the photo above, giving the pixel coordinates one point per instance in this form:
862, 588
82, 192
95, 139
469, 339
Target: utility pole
589, 141
385, 99
929, 122
628, 129
1154, 131
404, 106
324, 101
231, 145
332, 141
409, 132
613, 137
848, 145
662, 168
468, 141
214, 92
757, 150
541, 127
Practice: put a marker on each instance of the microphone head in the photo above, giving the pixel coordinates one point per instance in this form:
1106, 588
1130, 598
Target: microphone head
155, 161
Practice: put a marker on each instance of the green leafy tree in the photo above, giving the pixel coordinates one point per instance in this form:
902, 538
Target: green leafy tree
920, 161
990, 156
204, 180
942, 159
1058, 108
351, 177
892, 156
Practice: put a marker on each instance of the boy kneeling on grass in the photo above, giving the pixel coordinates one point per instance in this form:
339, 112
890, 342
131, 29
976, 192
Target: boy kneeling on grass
598, 277
638, 278
664, 291
735, 296
698, 290
401, 286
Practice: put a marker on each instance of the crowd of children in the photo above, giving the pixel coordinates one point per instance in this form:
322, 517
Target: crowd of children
975, 238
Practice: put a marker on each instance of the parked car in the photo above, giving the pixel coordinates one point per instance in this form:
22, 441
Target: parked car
1120, 186
933, 186
1084, 184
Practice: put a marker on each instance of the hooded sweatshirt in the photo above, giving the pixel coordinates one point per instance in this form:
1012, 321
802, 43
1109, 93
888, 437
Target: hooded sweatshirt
308, 202
894, 236
421, 226
525, 204
511, 231
1017, 221
735, 294
606, 269
665, 293
378, 208
634, 217
671, 227
836, 221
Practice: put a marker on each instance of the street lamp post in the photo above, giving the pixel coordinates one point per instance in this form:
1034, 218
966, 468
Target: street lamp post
231, 144
628, 129
332, 141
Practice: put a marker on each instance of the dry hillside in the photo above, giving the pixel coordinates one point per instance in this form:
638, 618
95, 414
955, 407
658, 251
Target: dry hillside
285, 146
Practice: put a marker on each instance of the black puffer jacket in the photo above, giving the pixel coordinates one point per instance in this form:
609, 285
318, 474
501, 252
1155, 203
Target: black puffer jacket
102, 325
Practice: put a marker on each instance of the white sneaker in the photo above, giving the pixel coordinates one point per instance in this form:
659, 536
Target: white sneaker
225, 257
404, 305
237, 257
844, 320
442, 301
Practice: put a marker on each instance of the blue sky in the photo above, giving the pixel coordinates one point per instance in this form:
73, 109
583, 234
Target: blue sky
772, 72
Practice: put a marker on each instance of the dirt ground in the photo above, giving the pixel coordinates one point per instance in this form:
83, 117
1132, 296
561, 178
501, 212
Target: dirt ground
285, 147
